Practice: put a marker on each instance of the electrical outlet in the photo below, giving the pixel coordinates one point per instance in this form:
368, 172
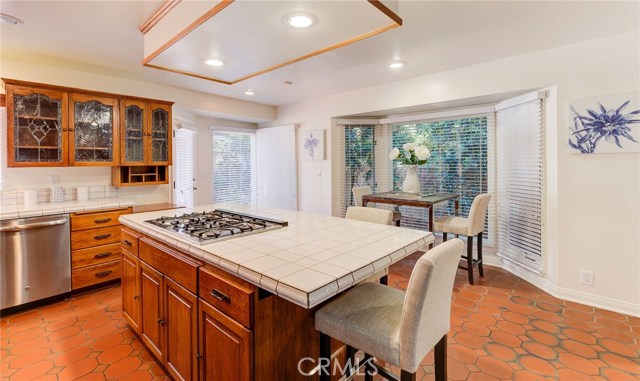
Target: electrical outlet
586, 277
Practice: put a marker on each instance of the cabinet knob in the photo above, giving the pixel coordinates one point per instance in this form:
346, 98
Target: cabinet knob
162, 321
136, 297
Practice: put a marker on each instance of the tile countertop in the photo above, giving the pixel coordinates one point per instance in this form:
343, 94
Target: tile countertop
307, 262
50, 208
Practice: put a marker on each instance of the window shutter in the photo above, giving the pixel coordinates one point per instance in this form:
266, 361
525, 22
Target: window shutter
520, 183
277, 180
184, 167
233, 167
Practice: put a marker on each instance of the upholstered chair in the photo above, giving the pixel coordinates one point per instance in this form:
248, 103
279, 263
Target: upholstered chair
378, 216
397, 327
358, 192
471, 226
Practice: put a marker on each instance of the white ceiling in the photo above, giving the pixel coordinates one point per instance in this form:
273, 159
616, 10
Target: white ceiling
435, 36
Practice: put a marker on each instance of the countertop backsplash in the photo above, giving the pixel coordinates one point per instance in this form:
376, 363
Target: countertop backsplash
70, 194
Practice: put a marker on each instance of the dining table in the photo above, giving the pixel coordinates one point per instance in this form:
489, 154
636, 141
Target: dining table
423, 200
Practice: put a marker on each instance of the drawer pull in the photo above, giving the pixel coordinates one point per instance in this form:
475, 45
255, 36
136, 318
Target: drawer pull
220, 296
102, 255
102, 220
103, 274
102, 236
126, 242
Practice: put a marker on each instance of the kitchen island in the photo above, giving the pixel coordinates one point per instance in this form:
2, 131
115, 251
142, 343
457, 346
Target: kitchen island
243, 308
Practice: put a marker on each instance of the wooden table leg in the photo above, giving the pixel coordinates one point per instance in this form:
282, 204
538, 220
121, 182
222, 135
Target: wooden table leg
431, 224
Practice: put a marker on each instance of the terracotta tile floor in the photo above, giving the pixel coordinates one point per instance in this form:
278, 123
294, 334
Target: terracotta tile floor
503, 328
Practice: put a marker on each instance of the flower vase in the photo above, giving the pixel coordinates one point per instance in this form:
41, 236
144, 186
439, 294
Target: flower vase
411, 183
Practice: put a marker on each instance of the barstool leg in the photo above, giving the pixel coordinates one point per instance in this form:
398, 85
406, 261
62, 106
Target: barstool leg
351, 357
368, 370
470, 258
406, 376
440, 359
444, 237
384, 280
480, 254
325, 353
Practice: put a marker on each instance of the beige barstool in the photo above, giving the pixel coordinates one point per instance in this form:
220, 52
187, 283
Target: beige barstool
397, 327
469, 227
358, 192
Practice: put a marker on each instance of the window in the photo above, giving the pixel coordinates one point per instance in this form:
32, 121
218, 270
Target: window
184, 167
359, 161
458, 164
233, 167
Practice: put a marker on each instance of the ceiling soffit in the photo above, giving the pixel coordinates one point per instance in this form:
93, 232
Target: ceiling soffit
251, 37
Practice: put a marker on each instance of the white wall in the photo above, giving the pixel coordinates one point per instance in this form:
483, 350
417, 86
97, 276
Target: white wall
187, 103
593, 202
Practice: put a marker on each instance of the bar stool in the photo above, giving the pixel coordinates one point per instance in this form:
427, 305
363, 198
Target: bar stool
396, 327
378, 216
358, 192
469, 227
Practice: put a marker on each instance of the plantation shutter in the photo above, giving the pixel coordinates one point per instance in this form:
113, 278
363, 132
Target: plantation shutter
233, 177
277, 180
184, 167
520, 181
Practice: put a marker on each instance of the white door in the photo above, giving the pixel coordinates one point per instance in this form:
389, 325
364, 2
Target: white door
184, 167
277, 177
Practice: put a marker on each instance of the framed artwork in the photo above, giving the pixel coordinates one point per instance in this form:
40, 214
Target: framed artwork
606, 124
313, 145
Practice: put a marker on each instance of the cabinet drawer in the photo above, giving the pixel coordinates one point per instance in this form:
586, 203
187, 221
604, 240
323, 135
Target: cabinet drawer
232, 296
97, 220
88, 276
95, 237
129, 241
95, 255
177, 266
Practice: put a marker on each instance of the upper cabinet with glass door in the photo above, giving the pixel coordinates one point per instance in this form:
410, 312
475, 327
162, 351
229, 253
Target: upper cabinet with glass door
160, 134
37, 127
146, 137
93, 134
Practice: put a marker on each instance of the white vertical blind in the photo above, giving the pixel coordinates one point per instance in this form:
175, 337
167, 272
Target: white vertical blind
233, 177
357, 160
277, 180
3, 140
520, 183
184, 167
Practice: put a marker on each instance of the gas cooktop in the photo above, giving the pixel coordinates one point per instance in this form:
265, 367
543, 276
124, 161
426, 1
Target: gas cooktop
216, 225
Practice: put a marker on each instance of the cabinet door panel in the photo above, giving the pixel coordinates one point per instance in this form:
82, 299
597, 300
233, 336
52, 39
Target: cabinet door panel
160, 134
131, 290
93, 138
225, 346
151, 329
182, 340
134, 120
37, 128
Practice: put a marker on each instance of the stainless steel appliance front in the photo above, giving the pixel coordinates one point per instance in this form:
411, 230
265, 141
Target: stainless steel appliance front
35, 262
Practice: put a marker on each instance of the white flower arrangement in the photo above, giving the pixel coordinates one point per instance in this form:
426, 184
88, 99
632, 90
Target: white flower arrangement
413, 154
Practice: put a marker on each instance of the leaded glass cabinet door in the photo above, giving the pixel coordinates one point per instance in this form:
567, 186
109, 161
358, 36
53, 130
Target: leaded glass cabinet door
159, 134
134, 126
37, 127
93, 138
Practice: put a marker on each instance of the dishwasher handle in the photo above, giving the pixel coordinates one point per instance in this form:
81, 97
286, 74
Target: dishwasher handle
16, 228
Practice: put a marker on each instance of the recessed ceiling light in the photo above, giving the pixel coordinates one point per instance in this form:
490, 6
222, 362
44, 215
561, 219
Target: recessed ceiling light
249, 92
214, 62
8, 19
396, 65
299, 20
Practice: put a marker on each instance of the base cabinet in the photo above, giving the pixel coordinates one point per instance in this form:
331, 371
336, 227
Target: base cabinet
181, 324
152, 305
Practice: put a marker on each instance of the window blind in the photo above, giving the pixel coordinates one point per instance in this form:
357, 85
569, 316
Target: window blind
520, 184
233, 178
184, 167
358, 165
459, 164
277, 181
3, 145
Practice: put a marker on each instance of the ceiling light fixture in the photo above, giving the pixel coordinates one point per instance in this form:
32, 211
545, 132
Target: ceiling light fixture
299, 20
396, 65
8, 19
249, 92
214, 62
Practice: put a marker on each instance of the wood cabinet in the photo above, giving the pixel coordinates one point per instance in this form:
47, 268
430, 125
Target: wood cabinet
169, 307
95, 247
130, 273
93, 132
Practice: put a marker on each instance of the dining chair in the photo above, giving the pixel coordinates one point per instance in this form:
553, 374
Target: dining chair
378, 216
397, 327
360, 191
471, 226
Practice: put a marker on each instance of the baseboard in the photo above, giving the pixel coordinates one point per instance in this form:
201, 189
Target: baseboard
602, 302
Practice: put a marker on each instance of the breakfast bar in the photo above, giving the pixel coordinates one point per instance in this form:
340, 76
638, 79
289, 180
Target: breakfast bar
236, 295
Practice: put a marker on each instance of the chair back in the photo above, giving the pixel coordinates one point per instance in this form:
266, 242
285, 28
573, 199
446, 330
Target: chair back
427, 303
375, 215
477, 213
358, 192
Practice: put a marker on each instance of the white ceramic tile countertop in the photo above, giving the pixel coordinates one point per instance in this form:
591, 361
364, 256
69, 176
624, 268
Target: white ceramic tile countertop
50, 208
307, 262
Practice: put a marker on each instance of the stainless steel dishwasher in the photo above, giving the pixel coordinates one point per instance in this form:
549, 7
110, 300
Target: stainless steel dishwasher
34, 259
